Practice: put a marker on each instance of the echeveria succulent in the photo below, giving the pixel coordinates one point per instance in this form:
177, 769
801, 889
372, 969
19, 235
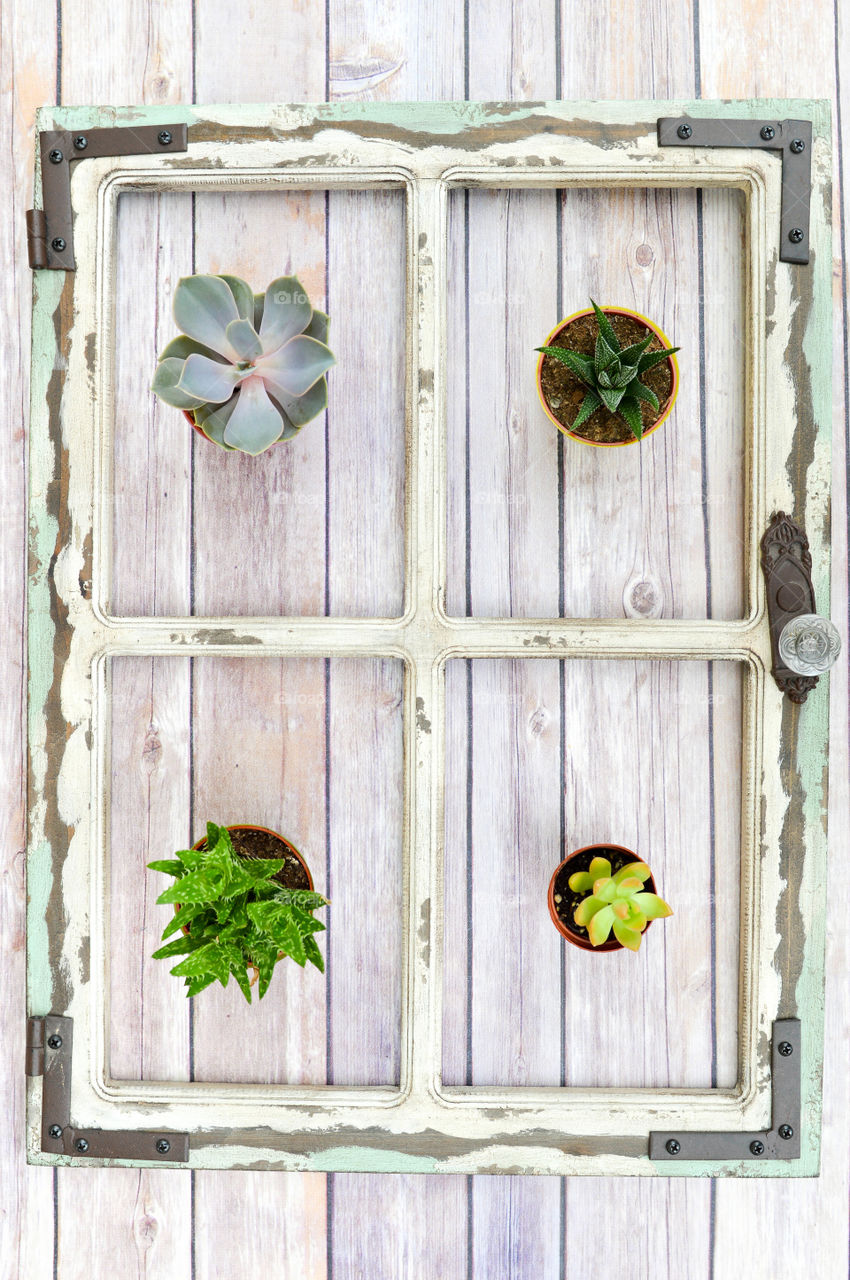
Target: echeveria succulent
248, 367
612, 375
616, 902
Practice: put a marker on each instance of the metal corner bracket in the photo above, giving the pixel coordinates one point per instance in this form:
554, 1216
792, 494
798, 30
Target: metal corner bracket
50, 229
49, 1046
791, 138
780, 1142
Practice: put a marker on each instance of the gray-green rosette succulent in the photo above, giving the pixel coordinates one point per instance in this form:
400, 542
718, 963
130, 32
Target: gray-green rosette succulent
249, 368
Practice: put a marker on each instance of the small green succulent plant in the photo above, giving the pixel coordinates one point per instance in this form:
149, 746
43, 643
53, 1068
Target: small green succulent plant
238, 918
616, 901
612, 374
248, 367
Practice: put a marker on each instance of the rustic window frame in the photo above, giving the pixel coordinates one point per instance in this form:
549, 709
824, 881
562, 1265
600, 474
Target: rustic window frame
425, 149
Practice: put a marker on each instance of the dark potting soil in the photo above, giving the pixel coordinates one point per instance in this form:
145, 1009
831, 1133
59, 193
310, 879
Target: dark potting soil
261, 844
564, 392
569, 898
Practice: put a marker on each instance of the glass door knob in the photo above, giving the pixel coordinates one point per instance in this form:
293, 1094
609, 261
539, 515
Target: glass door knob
809, 644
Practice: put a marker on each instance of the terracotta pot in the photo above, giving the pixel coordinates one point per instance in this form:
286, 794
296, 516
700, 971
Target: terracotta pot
577, 939
666, 408
193, 424
249, 826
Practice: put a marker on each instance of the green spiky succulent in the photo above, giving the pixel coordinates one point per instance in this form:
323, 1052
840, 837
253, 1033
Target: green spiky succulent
248, 367
238, 918
612, 374
616, 902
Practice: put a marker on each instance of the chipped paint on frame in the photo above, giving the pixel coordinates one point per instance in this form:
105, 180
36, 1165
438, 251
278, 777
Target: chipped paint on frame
425, 149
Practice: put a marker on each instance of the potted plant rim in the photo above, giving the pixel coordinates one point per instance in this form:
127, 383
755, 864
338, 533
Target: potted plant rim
244, 900
248, 370
607, 376
602, 898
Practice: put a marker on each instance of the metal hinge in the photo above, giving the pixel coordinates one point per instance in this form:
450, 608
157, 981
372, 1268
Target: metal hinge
780, 1142
49, 1046
50, 229
791, 138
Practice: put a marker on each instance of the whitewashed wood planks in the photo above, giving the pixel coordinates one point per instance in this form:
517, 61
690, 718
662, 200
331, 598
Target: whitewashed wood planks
389, 51
140, 1217
745, 54
673, 1248
656, 60
28, 72
248, 236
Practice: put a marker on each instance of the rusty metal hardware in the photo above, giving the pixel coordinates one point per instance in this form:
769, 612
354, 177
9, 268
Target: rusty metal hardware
50, 229
791, 138
780, 1142
787, 566
49, 1047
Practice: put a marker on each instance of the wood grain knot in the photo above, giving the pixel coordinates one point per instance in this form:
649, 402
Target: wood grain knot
145, 1230
644, 255
537, 721
643, 598
151, 750
161, 87
352, 76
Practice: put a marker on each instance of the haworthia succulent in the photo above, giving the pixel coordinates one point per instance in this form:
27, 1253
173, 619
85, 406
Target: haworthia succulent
612, 374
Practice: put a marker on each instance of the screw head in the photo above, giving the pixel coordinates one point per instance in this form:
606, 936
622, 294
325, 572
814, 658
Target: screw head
58, 244
785, 1131
785, 1048
795, 235
797, 145
81, 1144
767, 132
163, 1146
55, 156
757, 1148
81, 142
684, 130
163, 138
673, 1146
55, 1131
54, 1041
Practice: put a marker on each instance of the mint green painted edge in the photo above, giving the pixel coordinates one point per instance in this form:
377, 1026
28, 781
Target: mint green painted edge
447, 116
814, 741
806, 1167
42, 534
371, 1160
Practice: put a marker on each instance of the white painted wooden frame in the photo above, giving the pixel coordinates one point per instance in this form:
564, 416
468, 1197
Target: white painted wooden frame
424, 149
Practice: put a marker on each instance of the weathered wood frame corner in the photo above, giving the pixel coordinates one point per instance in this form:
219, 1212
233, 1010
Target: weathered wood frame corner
425, 149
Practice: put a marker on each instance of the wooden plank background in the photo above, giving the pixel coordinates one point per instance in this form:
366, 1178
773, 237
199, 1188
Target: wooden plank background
537, 525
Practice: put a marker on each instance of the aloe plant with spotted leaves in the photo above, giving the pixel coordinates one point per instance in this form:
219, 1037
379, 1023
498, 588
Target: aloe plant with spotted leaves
249, 368
237, 918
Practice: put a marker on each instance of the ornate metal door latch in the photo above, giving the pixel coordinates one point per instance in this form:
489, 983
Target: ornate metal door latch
803, 644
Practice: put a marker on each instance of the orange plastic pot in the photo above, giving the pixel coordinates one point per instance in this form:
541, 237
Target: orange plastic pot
666, 408
578, 939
